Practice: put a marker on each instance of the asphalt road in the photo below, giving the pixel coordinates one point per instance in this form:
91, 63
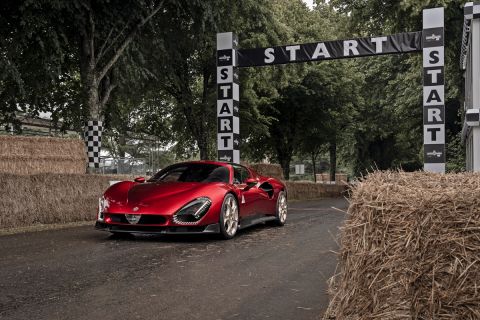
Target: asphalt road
264, 273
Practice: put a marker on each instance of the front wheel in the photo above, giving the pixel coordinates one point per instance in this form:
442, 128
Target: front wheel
281, 209
229, 217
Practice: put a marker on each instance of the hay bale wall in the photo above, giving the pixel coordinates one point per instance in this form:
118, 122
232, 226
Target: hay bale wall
309, 190
61, 198
340, 178
50, 198
33, 155
410, 249
300, 190
268, 170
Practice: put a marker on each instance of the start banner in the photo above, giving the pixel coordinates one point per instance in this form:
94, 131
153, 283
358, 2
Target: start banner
338, 49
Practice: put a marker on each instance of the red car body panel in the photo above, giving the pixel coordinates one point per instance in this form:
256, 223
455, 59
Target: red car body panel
164, 199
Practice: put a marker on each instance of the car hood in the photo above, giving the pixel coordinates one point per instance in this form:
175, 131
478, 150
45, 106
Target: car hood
155, 198
151, 192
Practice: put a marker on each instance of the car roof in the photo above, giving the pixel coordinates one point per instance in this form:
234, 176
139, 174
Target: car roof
220, 163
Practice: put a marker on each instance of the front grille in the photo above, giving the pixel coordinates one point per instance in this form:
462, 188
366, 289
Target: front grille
152, 219
145, 219
118, 218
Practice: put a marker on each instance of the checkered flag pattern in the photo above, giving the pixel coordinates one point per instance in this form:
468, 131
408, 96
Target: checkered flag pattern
471, 10
93, 141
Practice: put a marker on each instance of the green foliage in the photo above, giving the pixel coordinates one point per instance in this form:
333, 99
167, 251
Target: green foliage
162, 83
34, 64
388, 128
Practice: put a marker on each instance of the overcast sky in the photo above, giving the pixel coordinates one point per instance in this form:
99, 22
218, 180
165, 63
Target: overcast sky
309, 3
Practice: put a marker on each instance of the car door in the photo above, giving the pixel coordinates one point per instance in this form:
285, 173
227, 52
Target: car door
250, 197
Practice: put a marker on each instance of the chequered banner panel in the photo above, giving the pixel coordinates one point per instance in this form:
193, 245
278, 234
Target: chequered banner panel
433, 43
93, 141
228, 96
471, 10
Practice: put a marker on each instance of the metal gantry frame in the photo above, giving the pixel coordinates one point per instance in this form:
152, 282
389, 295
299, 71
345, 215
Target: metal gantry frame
470, 63
429, 41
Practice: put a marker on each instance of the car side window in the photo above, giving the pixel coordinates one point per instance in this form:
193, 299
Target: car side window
174, 175
237, 176
245, 175
240, 175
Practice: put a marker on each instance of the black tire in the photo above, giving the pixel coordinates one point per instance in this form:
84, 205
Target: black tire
226, 231
280, 217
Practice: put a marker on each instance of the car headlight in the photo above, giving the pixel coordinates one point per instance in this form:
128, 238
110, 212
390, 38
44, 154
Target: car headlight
102, 206
193, 211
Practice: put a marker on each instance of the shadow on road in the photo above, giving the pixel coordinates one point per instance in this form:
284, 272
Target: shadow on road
185, 238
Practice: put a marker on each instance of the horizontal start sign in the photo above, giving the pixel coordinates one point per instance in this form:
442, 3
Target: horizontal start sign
430, 41
338, 49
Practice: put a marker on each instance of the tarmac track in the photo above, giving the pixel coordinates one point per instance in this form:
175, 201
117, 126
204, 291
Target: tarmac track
264, 273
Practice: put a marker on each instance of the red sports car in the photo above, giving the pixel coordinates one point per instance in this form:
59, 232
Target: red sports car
193, 197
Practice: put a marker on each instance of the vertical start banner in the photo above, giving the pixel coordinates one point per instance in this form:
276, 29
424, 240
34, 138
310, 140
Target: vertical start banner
228, 124
433, 90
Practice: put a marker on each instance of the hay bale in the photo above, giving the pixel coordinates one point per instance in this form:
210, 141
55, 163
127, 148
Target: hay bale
309, 190
410, 249
34, 155
50, 198
62, 198
268, 170
340, 178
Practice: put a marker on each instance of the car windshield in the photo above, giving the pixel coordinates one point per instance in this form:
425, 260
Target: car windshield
192, 172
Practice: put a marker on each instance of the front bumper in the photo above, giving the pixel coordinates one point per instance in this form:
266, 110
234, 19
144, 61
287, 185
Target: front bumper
211, 228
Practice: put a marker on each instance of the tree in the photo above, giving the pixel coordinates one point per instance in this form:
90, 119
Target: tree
189, 73
285, 129
36, 65
92, 34
389, 127
106, 32
331, 100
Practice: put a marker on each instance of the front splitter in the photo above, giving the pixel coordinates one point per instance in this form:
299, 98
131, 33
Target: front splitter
211, 228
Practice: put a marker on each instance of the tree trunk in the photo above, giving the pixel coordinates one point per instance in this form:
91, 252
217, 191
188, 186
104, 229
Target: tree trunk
121, 165
314, 168
203, 146
285, 164
333, 159
203, 126
94, 74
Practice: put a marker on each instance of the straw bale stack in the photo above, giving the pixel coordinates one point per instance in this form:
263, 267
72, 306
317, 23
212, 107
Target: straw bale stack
50, 198
33, 155
410, 249
268, 170
308, 190
299, 190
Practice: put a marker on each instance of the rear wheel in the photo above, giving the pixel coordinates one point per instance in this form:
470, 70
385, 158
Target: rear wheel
281, 209
229, 217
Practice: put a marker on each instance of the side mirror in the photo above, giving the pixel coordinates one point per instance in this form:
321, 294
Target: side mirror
139, 179
250, 182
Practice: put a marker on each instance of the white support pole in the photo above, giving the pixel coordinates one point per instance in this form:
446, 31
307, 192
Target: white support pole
475, 87
470, 62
